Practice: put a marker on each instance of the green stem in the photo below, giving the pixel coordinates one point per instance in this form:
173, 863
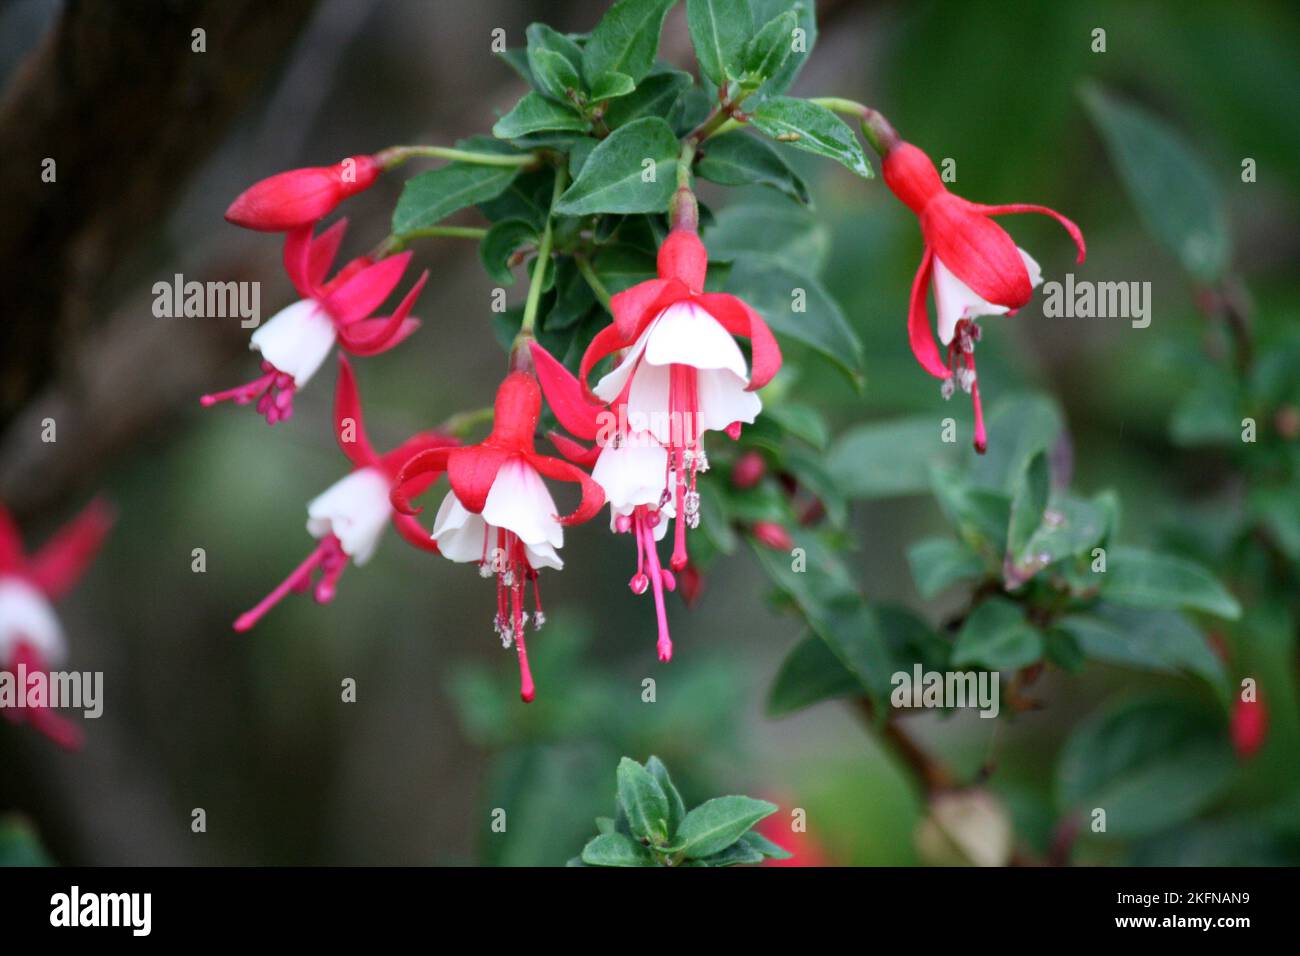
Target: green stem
394, 243
877, 130
541, 263
684, 162
593, 280
396, 155
462, 423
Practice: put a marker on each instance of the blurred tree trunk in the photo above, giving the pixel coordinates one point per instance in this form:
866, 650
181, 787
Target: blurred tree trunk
120, 100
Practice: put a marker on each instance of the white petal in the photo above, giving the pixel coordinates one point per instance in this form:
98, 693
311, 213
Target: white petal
355, 510
685, 334
461, 536
633, 473
542, 555
954, 300
296, 339
723, 400
26, 615
519, 501
611, 384
647, 402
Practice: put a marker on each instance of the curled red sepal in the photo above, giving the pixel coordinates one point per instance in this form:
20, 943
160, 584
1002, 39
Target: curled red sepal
593, 496
422, 463
1012, 208
919, 332
414, 533
372, 336
564, 394
739, 318
365, 290
349, 427
57, 566
575, 451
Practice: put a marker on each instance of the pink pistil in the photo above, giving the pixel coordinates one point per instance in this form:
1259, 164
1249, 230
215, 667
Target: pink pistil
329, 556
273, 391
658, 579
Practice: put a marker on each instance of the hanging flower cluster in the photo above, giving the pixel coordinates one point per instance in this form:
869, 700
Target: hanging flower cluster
657, 366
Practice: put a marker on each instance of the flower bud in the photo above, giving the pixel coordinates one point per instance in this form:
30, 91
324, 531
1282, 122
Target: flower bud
748, 470
773, 535
300, 196
1249, 727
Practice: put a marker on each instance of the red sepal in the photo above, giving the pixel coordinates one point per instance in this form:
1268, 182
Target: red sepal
347, 408
56, 567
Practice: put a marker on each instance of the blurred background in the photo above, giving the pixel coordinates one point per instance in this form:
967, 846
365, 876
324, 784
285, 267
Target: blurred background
154, 140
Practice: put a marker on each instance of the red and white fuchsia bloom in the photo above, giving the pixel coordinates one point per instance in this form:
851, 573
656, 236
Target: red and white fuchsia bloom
30, 636
974, 267
296, 340
682, 373
349, 517
301, 197
499, 512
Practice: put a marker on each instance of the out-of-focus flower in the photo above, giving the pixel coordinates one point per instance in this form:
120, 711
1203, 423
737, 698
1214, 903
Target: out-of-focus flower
1249, 726
31, 640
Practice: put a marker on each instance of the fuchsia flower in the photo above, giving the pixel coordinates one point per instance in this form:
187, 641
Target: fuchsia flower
681, 374
30, 635
301, 197
499, 512
348, 518
296, 340
1249, 726
974, 267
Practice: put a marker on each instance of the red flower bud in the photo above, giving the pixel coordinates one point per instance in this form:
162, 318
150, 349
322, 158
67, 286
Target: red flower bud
773, 535
690, 583
748, 470
1249, 726
301, 196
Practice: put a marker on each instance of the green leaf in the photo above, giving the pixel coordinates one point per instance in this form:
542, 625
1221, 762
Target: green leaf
614, 849
605, 825
432, 196
626, 39
756, 841
1071, 526
1141, 578
738, 854
610, 86
555, 62
1160, 641
1019, 427
777, 294
812, 128
20, 845
738, 159
654, 96
810, 674
500, 243
719, 30
806, 20
718, 823
1150, 762
676, 808
1028, 504
611, 178
535, 113
888, 458
1174, 191
766, 54
644, 800
517, 59
939, 563
981, 515
997, 637
770, 229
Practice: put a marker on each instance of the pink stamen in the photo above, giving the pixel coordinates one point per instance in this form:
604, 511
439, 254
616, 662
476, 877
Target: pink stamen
273, 391
328, 555
647, 540
526, 689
